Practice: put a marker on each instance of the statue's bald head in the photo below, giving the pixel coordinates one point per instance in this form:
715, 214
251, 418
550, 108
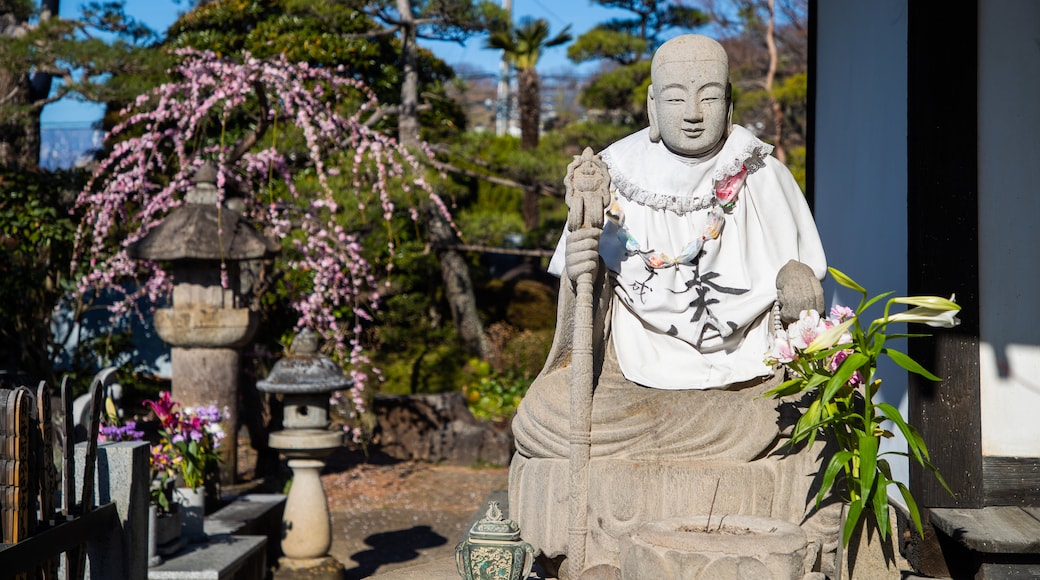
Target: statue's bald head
692, 50
688, 102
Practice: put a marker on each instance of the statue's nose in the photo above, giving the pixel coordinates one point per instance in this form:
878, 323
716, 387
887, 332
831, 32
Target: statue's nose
693, 111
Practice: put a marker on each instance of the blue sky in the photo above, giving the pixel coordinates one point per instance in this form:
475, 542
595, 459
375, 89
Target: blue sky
579, 14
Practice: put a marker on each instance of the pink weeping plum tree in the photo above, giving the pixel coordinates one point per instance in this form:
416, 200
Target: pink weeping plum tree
294, 142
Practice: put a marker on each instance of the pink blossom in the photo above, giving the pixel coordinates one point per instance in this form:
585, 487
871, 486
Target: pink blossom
164, 136
726, 190
837, 359
841, 313
782, 351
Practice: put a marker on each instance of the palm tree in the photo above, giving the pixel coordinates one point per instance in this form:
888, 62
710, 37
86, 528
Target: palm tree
522, 47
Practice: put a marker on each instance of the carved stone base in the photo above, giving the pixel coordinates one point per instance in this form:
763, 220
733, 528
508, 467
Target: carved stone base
624, 495
736, 547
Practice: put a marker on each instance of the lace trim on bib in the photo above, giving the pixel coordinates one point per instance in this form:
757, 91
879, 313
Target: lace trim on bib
751, 155
674, 203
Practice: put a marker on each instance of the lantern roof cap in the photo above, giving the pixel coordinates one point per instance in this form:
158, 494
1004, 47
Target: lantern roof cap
203, 230
304, 370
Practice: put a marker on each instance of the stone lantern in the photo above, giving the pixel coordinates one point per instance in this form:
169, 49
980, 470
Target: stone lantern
207, 322
305, 379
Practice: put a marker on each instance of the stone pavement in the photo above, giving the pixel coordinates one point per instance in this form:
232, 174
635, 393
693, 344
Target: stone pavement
411, 544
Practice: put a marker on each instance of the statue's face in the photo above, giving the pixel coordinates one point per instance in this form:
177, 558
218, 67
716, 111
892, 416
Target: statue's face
687, 103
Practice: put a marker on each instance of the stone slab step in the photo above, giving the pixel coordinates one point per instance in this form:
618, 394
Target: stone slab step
249, 514
223, 557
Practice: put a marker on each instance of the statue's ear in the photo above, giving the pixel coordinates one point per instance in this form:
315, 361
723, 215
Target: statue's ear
729, 119
651, 113
729, 112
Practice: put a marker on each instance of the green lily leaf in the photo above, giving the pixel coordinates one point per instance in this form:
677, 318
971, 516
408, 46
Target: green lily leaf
879, 505
853, 520
875, 299
914, 442
848, 367
786, 388
868, 448
909, 364
911, 505
838, 462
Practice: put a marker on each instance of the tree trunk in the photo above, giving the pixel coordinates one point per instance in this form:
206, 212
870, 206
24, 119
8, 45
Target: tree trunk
19, 125
778, 112
458, 287
529, 98
530, 109
408, 116
19, 93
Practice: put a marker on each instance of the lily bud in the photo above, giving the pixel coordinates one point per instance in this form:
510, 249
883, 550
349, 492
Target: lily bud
829, 337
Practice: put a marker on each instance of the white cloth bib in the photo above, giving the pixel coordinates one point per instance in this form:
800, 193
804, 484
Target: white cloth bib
703, 324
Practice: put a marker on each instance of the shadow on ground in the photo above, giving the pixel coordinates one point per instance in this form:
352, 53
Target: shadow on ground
392, 548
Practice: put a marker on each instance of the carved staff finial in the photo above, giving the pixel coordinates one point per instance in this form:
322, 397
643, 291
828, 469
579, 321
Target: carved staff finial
587, 190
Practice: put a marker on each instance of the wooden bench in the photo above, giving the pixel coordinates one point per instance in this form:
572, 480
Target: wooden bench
1003, 541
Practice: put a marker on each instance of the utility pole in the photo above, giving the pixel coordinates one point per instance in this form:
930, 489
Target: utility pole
502, 105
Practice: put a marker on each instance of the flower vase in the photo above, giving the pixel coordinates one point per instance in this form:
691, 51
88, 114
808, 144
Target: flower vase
164, 533
154, 559
192, 504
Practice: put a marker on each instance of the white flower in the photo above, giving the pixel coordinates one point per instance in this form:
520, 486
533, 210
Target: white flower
929, 316
804, 330
782, 351
931, 310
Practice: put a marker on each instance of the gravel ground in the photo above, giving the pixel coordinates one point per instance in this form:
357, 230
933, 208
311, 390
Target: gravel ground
389, 514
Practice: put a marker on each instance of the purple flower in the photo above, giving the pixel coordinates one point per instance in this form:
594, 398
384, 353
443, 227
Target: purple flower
842, 313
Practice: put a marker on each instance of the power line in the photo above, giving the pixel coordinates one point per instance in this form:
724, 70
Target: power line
550, 13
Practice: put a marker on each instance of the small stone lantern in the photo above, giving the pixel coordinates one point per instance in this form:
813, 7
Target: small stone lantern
494, 550
207, 323
305, 379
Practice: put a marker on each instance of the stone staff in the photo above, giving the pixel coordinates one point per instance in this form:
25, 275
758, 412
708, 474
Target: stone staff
587, 196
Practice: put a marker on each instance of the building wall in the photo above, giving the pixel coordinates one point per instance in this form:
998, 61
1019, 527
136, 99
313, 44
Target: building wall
860, 173
1009, 232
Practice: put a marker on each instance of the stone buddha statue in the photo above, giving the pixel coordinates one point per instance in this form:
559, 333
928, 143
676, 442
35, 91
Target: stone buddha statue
704, 235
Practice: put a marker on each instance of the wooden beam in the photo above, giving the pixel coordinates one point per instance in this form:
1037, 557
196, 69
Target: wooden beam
942, 253
1011, 481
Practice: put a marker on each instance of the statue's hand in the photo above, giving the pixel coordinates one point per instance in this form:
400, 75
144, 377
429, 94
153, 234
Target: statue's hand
797, 289
582, 252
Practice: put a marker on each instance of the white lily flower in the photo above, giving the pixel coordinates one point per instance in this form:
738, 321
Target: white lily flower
931, 310
939, 318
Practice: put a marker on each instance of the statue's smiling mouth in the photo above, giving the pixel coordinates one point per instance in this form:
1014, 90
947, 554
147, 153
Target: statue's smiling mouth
693, 132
